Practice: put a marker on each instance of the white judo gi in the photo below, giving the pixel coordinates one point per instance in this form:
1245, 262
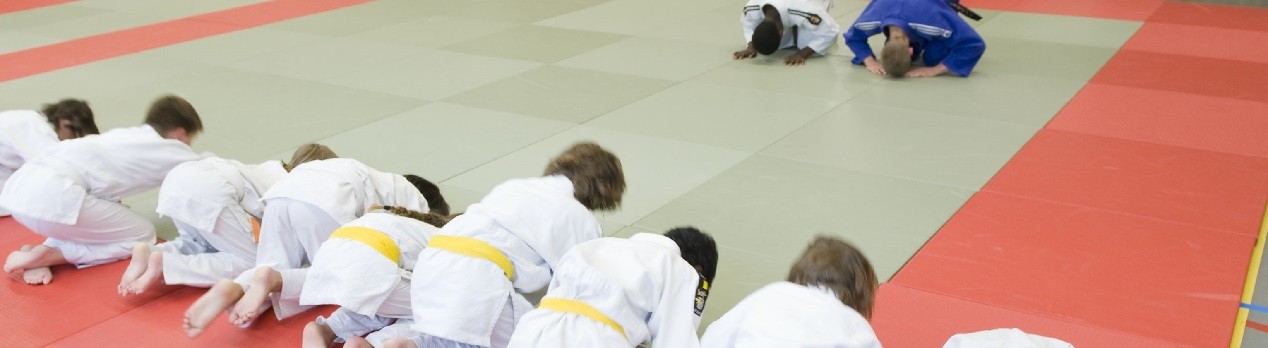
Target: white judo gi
365, 268
806, 23
460, 299
71, 193
784, 314
641, 289
213, 203
307, 205
24, 134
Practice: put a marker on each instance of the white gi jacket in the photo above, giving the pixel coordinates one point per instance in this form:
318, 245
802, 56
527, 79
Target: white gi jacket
784, 314
24, 135
354, 275
115, 164
345, 188
197, 192
642, 283
815, 28
532, 222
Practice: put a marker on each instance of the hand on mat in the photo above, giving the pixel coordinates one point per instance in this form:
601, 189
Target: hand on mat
927, 71
795, 59
746, 53
874, 66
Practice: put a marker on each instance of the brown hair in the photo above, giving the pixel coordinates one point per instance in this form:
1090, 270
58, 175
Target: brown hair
170, 112
597, 179
839, 266
75, 111
308, 153
434, 219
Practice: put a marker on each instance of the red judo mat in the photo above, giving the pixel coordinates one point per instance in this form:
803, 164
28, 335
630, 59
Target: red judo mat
1200, 41
1135, 10
1163, 117
1223, 78
1210, 15
109, 45
907, 317
7, 6
1203, 188
1131, 274
76, 299
162, 319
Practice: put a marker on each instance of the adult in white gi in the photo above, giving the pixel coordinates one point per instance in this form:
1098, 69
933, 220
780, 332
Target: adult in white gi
770, 25
215, 204
25, 134
71, 194
614, 292
301, 211
365, 268
468, 282
825, 304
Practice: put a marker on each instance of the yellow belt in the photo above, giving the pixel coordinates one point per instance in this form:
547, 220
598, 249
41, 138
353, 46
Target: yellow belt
373, 238
474, 248
582, 309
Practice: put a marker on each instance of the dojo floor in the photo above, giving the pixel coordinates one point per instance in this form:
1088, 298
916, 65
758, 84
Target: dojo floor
1101, 178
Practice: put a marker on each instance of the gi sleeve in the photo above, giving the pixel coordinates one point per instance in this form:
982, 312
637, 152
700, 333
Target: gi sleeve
824, 34
967, 48
749, 19
856, 40
675, 320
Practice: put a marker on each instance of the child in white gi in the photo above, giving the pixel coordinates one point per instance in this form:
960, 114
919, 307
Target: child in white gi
365, 268
770, 25
71, 193
26, 134
468, 283
825, 303
614, 292
300, 212
215, 204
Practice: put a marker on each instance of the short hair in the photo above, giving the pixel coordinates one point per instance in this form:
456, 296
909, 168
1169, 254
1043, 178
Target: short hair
598, 181
308, 153
435, 201
896, 57
766, 38
75, 111
698, 248
170, 112
839, 266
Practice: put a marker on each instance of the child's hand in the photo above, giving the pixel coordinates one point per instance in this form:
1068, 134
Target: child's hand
874, 66
928, 71
746, 53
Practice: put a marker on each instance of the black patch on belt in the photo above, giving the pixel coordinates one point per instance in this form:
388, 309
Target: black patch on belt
702, 295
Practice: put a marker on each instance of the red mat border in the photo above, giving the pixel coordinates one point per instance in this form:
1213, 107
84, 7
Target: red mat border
109, 45
11, 6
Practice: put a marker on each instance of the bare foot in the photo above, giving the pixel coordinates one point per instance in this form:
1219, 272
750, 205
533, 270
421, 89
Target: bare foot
203, 311
153, 273
357, 342
18, 259
399, 343
264, 281
33, 257
136, 267
38, 276
317, 335
13, 274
